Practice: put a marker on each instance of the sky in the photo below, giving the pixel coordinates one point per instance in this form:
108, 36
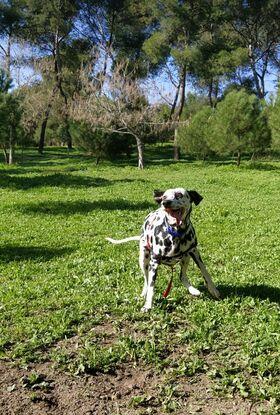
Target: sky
157, 90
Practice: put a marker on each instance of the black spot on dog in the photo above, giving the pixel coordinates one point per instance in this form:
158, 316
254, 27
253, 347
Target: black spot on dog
157, 230
167, 242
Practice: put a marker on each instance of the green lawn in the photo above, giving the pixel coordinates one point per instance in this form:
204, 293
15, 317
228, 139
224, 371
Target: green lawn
60, 278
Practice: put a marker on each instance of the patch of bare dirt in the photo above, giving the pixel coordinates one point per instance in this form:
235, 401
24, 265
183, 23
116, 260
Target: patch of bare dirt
41, 389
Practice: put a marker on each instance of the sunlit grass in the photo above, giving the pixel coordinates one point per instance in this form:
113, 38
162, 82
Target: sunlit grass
59, 277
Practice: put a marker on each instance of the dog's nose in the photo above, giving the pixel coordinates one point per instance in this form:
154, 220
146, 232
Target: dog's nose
166, 203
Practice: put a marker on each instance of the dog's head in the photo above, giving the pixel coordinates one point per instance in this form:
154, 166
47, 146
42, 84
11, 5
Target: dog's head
177, 203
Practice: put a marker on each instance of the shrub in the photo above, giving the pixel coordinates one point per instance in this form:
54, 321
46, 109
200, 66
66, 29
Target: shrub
273, 120
194, 138
239, 125
99, 143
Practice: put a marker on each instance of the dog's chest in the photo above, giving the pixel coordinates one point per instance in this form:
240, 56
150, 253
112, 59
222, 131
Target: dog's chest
165, 244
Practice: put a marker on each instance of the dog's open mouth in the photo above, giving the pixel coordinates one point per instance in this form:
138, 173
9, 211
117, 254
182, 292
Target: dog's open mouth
177, 214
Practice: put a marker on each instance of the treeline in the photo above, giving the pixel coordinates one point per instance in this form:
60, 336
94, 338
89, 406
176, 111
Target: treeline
87, 65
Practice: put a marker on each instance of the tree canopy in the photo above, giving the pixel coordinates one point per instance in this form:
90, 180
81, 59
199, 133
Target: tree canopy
214, 48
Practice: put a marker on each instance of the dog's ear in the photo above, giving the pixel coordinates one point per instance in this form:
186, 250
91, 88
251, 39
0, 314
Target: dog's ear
195, 197
158, 195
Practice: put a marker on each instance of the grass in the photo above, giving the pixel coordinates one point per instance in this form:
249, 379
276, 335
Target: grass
61, 280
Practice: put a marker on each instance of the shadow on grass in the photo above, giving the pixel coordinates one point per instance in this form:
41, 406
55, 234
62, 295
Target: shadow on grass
54, 180
82, 206
10, 253
159, 154
51, 156
263, 292
261, 166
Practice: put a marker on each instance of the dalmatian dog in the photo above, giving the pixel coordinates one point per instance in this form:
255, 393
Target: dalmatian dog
168, 237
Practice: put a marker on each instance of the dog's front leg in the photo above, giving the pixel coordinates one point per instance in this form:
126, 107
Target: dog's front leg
153, 267
183, 277
194, 253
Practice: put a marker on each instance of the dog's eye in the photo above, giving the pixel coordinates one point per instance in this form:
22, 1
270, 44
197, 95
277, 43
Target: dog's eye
178, 195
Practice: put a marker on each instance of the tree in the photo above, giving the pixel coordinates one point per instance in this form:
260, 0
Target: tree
49, 27
215, 59
119, 106
274, 124
237, 125
255, 25
176, 26
10, 115
194, 136
100, 143
116, 30
11, 23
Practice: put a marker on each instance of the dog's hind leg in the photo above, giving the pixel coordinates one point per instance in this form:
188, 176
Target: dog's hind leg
194, 253
144, 259
153, 267
183, 277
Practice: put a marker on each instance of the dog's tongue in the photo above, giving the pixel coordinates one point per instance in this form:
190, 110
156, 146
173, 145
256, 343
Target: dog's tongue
177, 214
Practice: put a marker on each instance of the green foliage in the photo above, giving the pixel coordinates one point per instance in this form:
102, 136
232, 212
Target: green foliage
260, 40
193, 104
274, 117
10, 114
46, 20
194, 137
11, 17
238, 125
156, 48
102, 145
168, 35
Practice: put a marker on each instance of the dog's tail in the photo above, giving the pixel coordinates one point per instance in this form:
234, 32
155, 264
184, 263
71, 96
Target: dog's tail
122, 241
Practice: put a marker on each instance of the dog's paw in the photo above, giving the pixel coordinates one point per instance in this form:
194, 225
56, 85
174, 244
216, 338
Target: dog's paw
145, 309
194, 291
215, 293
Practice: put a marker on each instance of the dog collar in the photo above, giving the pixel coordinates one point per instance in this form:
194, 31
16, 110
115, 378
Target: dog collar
175, 234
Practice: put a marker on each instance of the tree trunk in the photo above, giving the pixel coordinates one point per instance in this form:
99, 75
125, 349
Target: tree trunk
107, 52
45, 120
259, 88
43, 129
6, 155
68, 135
11, 147
210, 91
58, 69
8, 57
176, 148
238, 160
179, 112
11, 154
216, 91
174, 102
140, 150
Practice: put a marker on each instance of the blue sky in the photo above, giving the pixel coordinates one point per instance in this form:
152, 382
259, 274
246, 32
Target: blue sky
159, 89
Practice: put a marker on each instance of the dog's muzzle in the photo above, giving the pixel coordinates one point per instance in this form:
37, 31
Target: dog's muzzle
176, 215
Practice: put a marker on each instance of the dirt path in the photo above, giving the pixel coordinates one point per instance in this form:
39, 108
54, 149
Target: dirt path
42, 390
